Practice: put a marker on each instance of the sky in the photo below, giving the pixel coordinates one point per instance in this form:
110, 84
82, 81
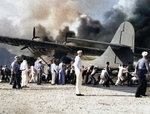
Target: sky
52, 17
96, 8
19, 16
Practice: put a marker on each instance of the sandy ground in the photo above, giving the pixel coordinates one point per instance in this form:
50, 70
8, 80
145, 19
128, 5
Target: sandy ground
61, 99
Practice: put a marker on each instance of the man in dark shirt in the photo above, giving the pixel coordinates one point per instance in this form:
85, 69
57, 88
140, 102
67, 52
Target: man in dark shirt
16, 72
107, 75
130, 68
142, 68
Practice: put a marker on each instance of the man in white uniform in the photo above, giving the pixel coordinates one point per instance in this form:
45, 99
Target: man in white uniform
24, 73
78, 72
122, 70
53, 72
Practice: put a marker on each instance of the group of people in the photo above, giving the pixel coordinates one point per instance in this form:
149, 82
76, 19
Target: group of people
5, 73
60, 73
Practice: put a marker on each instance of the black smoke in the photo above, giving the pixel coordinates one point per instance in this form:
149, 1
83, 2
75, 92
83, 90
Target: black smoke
62, 34
113, 19
43, 33
88, 27
141, 22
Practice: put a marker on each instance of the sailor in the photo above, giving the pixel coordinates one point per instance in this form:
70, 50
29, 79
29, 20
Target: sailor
39, 67
122, 70
78, 72
142, 68
53, 72
107, 75
33, 74
92, 77
3, 73
12, 76
16, 73
6, 72
89, 71
0, 73
130, 69
62, 68
24, 73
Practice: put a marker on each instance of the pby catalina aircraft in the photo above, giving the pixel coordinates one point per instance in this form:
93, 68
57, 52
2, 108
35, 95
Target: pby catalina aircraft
119, 51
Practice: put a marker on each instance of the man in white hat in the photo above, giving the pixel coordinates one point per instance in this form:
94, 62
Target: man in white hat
78, 72
142, 68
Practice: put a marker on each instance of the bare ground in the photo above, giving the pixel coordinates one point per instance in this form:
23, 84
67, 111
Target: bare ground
61, 99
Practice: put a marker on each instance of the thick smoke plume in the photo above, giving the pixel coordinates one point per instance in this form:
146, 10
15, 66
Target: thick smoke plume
62, 34
113, 18
88, 27
54, 18
141, 23
43, 33
22, 16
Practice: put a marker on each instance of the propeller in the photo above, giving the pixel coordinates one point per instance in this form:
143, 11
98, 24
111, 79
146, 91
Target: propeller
34, 37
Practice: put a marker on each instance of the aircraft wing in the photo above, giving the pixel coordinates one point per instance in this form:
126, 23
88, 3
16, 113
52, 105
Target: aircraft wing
143, 49
97, 42
39, 48
30, 43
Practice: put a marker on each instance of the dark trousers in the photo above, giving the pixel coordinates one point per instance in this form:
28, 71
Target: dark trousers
12, 79
87, 77
39, 78
49, 77
17, 80
142, 85
108, 79
91, 79
73, 78
57, 78
7, 77
3, 76
129, 79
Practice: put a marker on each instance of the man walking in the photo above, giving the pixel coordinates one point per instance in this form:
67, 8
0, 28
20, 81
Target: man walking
16, 73
78, 72
142, 68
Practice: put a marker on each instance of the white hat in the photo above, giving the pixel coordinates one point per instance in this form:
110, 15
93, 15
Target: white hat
80, 51
16, 57
144, 53
40, 60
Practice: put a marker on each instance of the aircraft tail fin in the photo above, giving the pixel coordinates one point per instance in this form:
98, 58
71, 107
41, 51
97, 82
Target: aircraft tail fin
124, 35
119, 55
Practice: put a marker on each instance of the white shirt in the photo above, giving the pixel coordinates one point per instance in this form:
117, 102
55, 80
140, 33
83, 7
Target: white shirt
11, 66
121, 70
53, 67
24, 65
61, 66
78, 63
